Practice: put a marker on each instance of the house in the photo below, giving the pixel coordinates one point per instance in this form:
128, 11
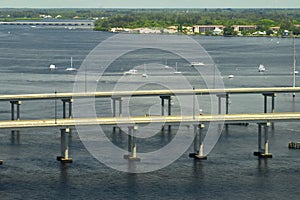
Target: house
239, 28
205, 28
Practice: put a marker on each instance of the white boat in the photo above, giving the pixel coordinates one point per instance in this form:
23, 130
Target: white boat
131, 72
176, 71
71, 68
261, 68
145, 75
231, 76
52, 67
166, 64
194, 64
294, 66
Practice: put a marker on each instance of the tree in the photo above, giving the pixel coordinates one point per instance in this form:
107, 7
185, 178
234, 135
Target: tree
228, 31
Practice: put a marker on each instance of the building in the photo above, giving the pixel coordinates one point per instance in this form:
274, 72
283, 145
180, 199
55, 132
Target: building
239, 28
205, 28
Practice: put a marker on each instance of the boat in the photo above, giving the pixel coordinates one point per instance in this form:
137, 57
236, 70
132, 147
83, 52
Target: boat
261, 68
52, 67
131, 72
294, 67
194, 64
166, 64
145, 75
176, 71
231, 76
71, 68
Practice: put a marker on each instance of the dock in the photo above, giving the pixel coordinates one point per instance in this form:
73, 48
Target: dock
294, 145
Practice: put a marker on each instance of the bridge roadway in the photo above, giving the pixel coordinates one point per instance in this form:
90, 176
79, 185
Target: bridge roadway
167, 120
50, 23
149, 93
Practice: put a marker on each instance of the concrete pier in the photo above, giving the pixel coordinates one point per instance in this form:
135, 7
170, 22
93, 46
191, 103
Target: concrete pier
263, 152
220, 96
198, 143
132, 144
15, 137
69, 101
163, 98
64, 158
272, 95
114, 105
294, 145
15, 115
266, 95
17, 104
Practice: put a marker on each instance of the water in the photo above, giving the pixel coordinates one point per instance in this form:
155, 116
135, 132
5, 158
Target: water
30, 169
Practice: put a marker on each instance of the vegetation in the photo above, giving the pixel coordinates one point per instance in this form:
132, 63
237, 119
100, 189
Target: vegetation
163, 18
262, 18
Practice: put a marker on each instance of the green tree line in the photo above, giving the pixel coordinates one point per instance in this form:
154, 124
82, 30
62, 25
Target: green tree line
262, 18
163, 18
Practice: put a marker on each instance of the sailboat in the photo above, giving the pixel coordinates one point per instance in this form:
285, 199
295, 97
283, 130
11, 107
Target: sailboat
294, 67
176, 71
195, 64
71, 68
145, 72
166, 64
261, 68
52, 67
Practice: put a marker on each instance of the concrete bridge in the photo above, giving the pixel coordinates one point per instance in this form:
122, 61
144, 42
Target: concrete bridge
262, 119
51, 23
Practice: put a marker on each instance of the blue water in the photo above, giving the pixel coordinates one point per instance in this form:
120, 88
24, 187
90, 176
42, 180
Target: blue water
30, 169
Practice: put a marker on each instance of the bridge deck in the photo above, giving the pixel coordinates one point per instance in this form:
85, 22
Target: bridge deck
149, 93
234, 118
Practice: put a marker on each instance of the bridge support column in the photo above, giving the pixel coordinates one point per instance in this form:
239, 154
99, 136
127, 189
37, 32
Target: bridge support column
198, 142
163, 98
65, 101
64, 158
132, 144
266, 95
17, 104
272, 95
15, 116
220, 96
69, 102
226, 96
114, 105
114, 99
263, 152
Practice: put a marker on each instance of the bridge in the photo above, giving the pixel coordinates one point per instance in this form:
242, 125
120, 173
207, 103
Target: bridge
167, 120
141, 93
262, 119
52, 23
